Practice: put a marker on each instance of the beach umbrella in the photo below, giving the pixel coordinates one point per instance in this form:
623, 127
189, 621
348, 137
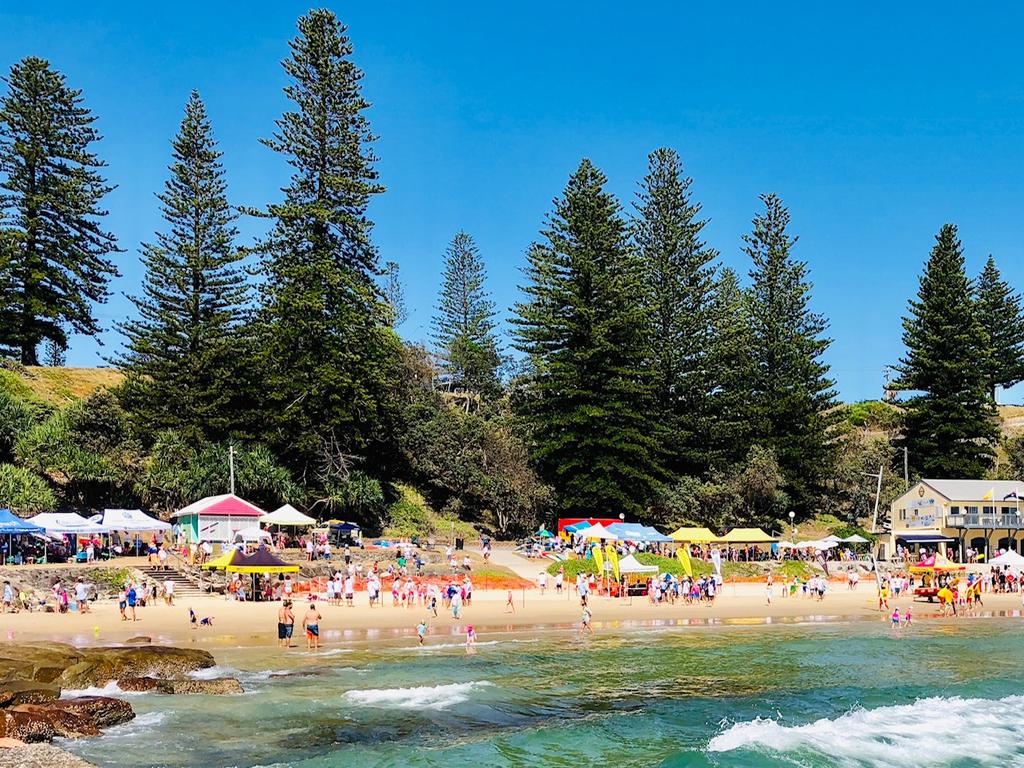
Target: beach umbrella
855, 539
544, 533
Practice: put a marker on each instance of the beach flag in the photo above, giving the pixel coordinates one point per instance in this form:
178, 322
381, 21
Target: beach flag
595, 552
990, 495
684, 558
823, 562
613, 558
716, 560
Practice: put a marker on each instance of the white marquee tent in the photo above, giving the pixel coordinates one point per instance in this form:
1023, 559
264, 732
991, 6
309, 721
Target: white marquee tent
129, 520
287, 515
630, 564
598, 532
252, 535
1009, 557
60, 523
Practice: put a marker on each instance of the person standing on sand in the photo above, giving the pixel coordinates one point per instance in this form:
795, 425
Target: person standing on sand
285, 624
510, 606
131, 596
311, 623
768, 589
559, 579
421, 631
542, 582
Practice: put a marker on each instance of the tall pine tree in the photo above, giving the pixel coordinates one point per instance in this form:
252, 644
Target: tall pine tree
679, 277
791, 395
1001, 315
730, 366
463, 327
584, 326
949, 426
328, 348
184, 351
51, 192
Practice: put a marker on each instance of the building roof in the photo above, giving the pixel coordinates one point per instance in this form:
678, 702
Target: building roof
975, 490
225, 504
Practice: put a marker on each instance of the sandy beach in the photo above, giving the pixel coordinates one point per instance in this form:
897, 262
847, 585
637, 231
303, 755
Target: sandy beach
250, 624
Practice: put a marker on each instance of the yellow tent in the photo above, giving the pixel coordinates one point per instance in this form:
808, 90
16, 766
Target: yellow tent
220, 562
693, 535
747, 536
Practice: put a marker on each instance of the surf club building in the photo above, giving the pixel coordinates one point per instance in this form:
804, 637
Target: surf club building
953, 516
217, 518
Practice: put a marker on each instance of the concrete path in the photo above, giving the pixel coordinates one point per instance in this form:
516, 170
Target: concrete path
519, 565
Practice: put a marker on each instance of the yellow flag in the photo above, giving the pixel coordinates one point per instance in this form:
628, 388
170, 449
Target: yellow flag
682, 552
613, 557
990, 495
595, 552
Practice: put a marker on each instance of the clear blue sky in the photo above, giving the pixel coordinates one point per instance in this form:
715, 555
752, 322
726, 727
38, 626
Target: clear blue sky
876, 125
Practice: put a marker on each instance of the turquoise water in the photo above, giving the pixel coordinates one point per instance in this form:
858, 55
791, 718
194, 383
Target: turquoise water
846, 694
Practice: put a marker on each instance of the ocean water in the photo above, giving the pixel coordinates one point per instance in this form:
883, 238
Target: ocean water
837, 694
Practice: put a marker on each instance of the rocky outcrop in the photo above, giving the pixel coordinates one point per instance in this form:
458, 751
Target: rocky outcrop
32, 675
64, 723
71, 667
38, 756
16, 692
25, 726
102, 710
181, 686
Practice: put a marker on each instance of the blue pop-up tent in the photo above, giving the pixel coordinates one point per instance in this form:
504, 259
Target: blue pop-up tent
12, 525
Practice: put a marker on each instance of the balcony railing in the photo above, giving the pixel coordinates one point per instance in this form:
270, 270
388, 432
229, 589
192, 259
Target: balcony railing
985, 521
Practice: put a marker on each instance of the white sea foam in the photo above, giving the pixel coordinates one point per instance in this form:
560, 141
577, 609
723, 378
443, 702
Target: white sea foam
421, 697
110, 689
440, 646
211, 673
937, 730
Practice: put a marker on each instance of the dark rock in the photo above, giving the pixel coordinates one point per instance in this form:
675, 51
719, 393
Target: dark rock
139, 640
67, 724
182, 686
15, 692
25, 726
102, 710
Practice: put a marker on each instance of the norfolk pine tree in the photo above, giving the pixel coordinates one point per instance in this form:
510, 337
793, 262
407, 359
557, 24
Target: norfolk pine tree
50, 211
999, 310
730, 363
679, 279
949, 426
463, 327
583, 324
184, 352
791, 396
328, 351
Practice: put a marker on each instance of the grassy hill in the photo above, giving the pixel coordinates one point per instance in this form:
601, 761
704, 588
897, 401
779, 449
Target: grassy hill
56, 386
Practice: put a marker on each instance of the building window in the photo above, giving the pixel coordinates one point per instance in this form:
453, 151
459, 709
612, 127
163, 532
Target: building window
1008, 510
971, 510
954, 510
903, 514
988, 510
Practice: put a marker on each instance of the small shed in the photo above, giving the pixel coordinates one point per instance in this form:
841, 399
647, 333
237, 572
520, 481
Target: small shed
217, 518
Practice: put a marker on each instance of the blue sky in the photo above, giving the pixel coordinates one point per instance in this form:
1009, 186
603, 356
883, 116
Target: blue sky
876, 125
